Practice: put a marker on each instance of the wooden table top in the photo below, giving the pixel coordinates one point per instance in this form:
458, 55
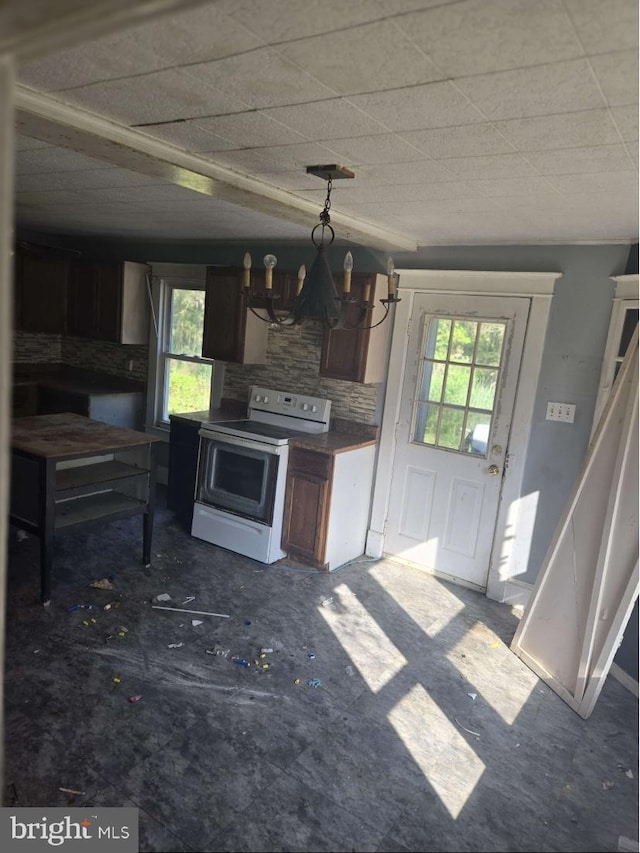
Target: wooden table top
67, 435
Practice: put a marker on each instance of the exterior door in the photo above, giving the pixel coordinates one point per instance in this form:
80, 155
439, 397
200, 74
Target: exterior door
452, 435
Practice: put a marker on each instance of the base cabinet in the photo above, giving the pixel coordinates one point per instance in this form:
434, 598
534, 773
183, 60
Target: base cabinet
327, 505
183, 465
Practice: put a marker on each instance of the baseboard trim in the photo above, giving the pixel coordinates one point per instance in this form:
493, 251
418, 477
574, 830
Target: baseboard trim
625, 679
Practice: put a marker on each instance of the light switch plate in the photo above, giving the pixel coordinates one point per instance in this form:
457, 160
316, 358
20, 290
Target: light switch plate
564, 412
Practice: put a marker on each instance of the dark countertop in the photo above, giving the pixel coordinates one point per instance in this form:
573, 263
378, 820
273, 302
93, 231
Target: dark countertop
75, 380
68, 435
332, 442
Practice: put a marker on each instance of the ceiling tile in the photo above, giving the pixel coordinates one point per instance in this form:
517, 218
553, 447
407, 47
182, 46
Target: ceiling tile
289, 180
250, 130
477, 36
490, 166
188, 135
419, 107
568, 161
505, 187
363, 59
568, 130
297, 156
626, 119
604, 26
464, 141
617, 73
622, 182
282, 20
332, 119
546, 89
387, 148
44, 160
261, 78
417, 171
400, 6
249, 160
158, 97
47, 198
28, 143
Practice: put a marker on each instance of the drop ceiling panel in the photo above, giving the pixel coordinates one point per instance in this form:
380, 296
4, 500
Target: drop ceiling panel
161, 96
85, 179
260, 78
626, 119
252, 130
491, 166
416, 108
601, 182
604, 26
543, 90
564, 130
41, 161
332, 119
492, 35
617, 73
189, 135
464, 141
386, 148
570, 161
363, 59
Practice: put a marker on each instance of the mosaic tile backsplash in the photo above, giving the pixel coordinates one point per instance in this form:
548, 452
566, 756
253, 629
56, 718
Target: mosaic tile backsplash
293, 361
102, 356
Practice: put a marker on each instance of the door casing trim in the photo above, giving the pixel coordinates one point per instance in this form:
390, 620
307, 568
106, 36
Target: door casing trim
512, 535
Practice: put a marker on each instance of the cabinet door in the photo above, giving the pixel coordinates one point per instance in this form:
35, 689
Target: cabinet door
43, 287
307, 500
225, 313
81, 316
344, 351
108, 302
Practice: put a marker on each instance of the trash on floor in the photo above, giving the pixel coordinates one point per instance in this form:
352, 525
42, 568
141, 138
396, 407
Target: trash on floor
469, 731
79, 607
71, 791
103, 583
327, 601
175, 645
296, 681
311, 656
197, 612
134, 699
241, 661
116, 680
196, 622
314, 682
122, 631
608, 784
112, 605
218, 650
266, 651
189, 599
472, 696
349, 670
164, 596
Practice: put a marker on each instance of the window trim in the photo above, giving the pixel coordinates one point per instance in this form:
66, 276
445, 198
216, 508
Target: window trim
164, 279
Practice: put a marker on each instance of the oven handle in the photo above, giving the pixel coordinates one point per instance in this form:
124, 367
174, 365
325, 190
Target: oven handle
237, 441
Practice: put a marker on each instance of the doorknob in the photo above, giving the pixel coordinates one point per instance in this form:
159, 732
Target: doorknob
493, 470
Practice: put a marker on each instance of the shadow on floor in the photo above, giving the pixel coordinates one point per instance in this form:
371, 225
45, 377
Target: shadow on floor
423, 732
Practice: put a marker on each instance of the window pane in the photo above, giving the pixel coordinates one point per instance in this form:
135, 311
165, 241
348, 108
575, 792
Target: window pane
426, 424
188, 387
186, 322
457, 385
464, 337
437, 342
483, 388
477, 433
490, 340
628, 328
431, 385
450, 428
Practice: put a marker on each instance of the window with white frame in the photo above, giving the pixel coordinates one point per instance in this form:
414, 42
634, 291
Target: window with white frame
183, 379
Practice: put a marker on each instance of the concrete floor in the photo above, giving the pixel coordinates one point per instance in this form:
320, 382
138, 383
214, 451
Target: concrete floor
390, 752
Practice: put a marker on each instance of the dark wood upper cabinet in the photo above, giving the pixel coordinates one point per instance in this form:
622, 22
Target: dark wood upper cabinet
41, 284
231, 331
360, 354
109, 302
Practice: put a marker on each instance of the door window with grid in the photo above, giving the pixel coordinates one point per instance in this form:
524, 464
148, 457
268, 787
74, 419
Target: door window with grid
459, 373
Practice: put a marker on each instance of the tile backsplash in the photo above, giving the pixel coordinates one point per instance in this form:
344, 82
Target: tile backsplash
293, 363
102, 356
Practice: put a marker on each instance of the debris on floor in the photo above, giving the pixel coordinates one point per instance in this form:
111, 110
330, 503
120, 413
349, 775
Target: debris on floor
314, 682
175, 645
103, 583
112, 605
197, 612
71, 791
189, 599
164, 596
608, 784
464, 729
134, 699
196, 622
472, 696
218, 650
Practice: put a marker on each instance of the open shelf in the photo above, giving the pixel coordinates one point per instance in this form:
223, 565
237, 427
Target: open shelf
105, 506
78, 478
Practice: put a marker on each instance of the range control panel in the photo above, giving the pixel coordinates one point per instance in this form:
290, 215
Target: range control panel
288, 403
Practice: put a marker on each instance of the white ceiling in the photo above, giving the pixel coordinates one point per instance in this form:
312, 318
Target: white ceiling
468, 121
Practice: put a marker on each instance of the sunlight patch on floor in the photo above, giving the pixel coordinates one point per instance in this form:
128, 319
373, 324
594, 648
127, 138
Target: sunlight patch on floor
437, 747
370, 650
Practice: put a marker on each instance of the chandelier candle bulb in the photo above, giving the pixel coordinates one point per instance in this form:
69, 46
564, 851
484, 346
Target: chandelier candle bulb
269, 262
367, 293
347, 266
246, 263
302, 273
391, 276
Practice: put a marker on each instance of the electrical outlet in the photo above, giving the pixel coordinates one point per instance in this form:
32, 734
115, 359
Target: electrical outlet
564, 412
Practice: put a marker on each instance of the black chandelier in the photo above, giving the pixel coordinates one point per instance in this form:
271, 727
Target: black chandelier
317, 297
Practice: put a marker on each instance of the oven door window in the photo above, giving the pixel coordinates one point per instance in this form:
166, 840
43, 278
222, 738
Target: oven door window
238, 479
